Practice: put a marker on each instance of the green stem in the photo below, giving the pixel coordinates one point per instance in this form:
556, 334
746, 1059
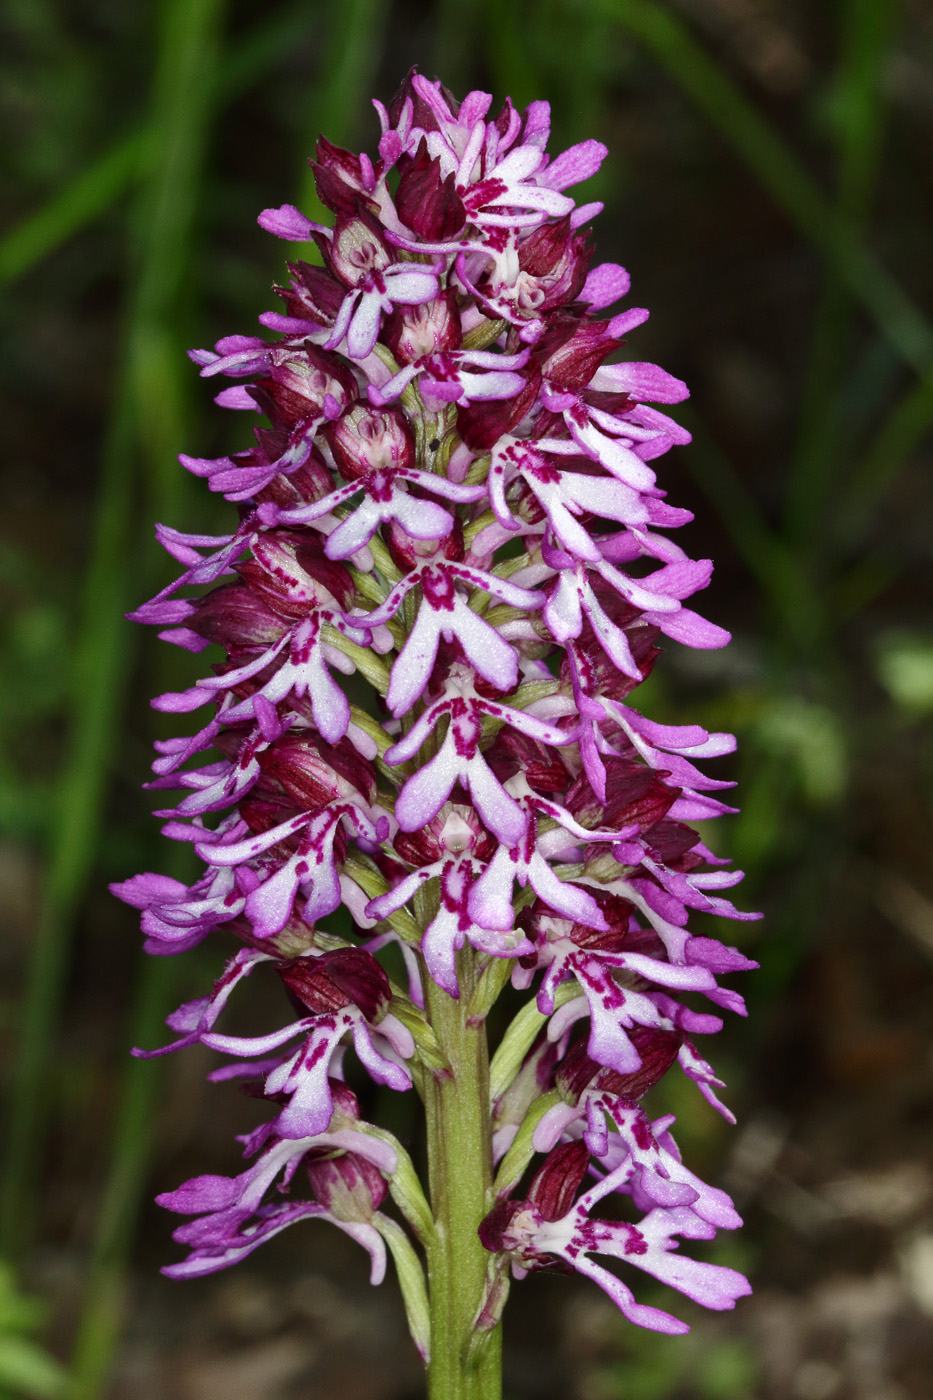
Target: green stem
460, 1171
866, 29
777, 170
146, 417
337, 99
104, 1302
98, 187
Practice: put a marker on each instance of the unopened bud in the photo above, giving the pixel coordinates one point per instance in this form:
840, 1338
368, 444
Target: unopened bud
349, 1186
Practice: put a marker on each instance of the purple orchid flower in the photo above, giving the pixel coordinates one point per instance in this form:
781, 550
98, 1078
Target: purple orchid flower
456, 376
445, 612
356, 253
384, 499
532, 1231
235, 1218
451, 496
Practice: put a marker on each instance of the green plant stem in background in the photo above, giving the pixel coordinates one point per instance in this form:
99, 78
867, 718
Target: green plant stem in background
857, 111
188, 58
777, 170
103, 184
90, 194
146, 415
356, 28
460, 1172
104, 1298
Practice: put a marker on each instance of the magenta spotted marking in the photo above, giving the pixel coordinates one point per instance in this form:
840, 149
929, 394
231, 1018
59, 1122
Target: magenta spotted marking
319, 1048
439, 590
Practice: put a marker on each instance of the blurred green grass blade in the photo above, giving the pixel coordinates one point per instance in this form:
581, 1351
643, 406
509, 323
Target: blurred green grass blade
506, 51
184, 103
777, 570
857, 108
82, 201
250, 57
903, 431
778, 171
183, 88
106, 180
104, 1290
868, 28
102, 658
351, 57
577, 89
26, 1370
456, 26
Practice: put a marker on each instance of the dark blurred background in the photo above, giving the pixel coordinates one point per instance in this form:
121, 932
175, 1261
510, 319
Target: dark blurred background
769, 186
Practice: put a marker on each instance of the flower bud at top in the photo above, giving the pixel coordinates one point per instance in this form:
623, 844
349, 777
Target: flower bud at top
423, 114
340, 178
426, 202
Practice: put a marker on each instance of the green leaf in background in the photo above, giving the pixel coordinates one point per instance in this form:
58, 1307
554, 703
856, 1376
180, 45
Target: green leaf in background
25, 1369
904, 662
810, 737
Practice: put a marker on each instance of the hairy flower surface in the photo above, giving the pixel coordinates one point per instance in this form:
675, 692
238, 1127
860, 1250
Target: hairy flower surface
451, 507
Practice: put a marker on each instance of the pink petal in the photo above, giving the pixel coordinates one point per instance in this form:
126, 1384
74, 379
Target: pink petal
575, 164
604, 285
289, 223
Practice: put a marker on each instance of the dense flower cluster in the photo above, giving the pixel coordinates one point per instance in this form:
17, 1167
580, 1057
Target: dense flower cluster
454, 497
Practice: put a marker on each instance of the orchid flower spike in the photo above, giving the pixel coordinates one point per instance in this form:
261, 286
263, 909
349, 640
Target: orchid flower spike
450, 571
